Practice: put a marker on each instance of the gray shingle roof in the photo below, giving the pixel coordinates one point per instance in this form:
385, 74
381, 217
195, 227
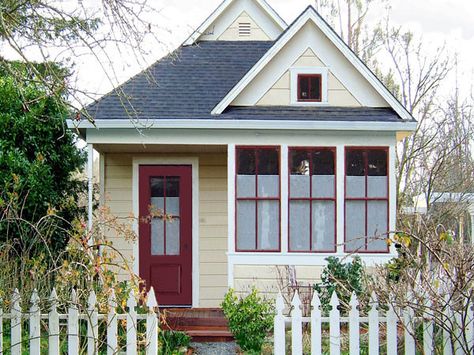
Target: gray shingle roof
190, 82
186, 84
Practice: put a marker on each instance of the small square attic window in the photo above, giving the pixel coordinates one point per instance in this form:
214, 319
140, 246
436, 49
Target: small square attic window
244, 29
309, 87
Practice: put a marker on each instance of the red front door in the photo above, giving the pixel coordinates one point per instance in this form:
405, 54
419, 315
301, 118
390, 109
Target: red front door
165, 232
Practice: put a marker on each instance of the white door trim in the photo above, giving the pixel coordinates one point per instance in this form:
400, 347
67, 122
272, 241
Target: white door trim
194, 162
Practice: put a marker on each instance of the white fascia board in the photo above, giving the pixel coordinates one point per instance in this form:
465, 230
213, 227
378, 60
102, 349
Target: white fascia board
248, 124
221, 8
312, 15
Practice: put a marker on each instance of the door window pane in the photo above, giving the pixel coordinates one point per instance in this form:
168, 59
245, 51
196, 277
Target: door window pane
300, 223
377, 186
268, 225
355, 186
246, 186
299, 186
246, 225
172, 236
323, 225
268, 185
157, 237
323, 186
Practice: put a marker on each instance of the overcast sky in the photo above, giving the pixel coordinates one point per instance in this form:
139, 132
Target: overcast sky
438, 21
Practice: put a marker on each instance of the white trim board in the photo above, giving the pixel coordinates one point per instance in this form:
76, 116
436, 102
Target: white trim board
272, 14
194, 162
217, 124
310, 15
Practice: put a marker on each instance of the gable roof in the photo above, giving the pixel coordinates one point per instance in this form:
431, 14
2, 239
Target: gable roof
221, 8
310, 14
186, 84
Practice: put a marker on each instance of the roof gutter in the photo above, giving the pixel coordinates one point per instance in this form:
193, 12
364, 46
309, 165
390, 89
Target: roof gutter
245, 124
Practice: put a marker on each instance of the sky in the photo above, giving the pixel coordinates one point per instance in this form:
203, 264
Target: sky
440, 22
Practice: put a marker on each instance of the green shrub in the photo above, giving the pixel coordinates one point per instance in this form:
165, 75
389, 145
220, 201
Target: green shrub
172, 342
250, 319
343, 278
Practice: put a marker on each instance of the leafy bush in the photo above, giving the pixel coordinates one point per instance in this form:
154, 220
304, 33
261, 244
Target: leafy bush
343, 278
172, 342
250, 319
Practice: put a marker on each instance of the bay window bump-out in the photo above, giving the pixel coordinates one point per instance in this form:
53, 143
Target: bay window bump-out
366, 200
257, 199
312, 200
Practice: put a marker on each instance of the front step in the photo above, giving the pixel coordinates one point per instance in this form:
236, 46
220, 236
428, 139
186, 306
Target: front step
202, 324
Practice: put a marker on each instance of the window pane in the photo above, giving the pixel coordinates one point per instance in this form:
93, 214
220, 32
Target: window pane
299, 225
299, 162
355, 186
172, 206
268, 185
355, 225
299, 186
377, 186
246, 161
377, 225
246, 225
315, 93
323, 225
268, 224
246, 186
303, 88
355, 165
323, 186
172, 237
377, 162
323, 162
268, 162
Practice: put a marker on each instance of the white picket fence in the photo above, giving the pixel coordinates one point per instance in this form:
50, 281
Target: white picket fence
73, 318
393, 323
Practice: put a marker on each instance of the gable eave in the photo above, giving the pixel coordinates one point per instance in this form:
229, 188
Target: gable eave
311, 14
221, 8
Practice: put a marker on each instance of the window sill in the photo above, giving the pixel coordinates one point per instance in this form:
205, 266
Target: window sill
310, 259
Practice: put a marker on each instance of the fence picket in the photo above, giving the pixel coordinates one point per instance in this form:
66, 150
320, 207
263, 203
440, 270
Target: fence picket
152, 324
131, 324
315, 326
53, 324
447, 348
334, 326
279, 327
16, 323
354, 337
35, 326
73, 326
392, 334
458, 337
92, 324
373, 326
112, 347
428, 329
296, 326
408, 320
469, 325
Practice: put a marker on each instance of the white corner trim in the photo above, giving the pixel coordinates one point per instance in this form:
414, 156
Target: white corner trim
295, 71
194, 162
221, 8
284, 204
230, 210
311, 15
90, 189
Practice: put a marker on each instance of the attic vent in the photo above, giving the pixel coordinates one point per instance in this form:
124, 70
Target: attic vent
244, 29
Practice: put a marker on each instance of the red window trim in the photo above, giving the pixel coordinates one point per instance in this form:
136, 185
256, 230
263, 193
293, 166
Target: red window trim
256, 199
308, 76
334, 199
366, 199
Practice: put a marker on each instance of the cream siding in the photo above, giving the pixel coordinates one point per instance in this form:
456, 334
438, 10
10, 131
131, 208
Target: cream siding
212, 219
279, 94
266, 277
232, 32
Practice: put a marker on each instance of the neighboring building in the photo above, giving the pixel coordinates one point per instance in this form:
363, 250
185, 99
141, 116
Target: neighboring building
269, 144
